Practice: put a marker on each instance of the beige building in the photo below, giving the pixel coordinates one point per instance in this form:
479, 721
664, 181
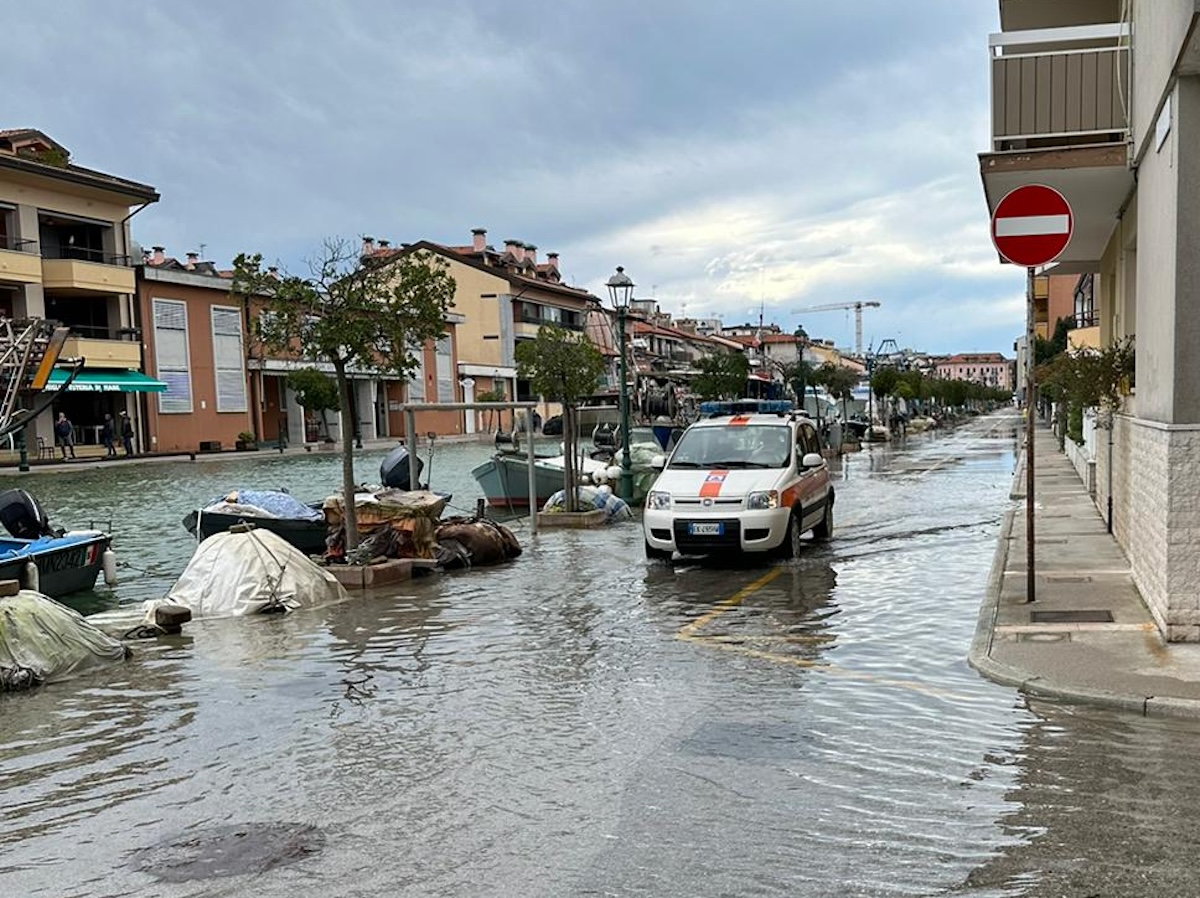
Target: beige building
1100, 99
65, 255
502, 298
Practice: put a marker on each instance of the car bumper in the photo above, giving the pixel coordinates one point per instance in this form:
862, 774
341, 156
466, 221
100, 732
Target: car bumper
696, 533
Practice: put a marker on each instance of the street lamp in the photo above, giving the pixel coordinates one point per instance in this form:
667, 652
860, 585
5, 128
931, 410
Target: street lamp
620, 289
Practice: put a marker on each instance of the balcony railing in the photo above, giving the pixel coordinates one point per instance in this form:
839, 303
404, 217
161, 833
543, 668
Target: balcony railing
89, 255
18, 244
1060, 87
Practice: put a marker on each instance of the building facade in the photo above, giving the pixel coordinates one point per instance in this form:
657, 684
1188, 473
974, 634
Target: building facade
65, 254
1100, 99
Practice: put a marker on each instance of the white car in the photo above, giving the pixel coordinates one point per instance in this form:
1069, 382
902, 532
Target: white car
740, 483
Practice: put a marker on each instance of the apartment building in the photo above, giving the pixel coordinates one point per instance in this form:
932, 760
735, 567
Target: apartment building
65, 255
990, 369
501, 298
221, 381
1100, 99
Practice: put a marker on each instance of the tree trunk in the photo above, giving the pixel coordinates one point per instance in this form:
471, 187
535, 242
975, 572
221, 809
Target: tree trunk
348, 490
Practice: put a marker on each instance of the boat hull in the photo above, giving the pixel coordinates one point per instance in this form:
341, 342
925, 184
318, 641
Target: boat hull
65, 564
307, 536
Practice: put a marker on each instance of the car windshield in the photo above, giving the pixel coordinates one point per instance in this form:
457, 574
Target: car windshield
747, 446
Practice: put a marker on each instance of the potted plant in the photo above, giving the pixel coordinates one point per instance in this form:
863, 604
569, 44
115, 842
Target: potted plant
246, 441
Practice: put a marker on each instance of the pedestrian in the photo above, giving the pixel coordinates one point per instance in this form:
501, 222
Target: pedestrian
65, 434
108, 436
127, 433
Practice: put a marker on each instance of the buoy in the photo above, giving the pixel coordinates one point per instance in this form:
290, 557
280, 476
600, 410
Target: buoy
109, 562
31, 577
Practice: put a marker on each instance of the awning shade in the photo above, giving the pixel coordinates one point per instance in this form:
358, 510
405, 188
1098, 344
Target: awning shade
100, 380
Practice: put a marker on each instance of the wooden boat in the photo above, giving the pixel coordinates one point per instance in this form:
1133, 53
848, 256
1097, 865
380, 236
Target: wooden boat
306, 535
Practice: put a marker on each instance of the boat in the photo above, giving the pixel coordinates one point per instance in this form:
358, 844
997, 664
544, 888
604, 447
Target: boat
301, 525
504, 478
46, 559
304, 526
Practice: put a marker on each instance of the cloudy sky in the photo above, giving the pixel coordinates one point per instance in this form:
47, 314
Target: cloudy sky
734, 157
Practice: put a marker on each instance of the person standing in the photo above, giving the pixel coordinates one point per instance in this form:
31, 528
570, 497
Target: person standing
65, 433
108, 436
127, 433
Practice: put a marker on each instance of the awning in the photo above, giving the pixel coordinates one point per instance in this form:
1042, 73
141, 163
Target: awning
101, 380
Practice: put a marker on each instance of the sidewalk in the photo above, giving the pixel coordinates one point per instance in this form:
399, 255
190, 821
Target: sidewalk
1050, 647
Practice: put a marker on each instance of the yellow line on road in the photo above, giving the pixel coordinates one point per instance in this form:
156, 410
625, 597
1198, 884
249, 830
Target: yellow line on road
688, 632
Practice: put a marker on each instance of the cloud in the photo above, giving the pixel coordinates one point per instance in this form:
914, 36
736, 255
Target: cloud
732, 158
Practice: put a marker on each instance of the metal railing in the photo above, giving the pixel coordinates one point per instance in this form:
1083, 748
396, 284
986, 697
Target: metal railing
1057, 87
84, 254
19, 244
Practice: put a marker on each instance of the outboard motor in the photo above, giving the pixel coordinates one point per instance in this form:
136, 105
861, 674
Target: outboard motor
393, 470
22, 516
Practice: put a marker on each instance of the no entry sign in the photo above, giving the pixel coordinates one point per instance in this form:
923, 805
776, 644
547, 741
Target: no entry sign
1032, 225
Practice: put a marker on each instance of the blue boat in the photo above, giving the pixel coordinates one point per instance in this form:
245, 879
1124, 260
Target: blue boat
56, 563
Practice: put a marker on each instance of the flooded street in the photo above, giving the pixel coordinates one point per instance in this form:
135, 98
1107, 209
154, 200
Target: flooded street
583, 723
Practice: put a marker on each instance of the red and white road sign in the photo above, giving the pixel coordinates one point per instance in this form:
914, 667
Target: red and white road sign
1032, 225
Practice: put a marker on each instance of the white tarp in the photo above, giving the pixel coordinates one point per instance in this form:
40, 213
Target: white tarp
42, 641
246, 573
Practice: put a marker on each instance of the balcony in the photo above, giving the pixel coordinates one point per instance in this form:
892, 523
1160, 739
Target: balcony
1060, 99
84, 277
19, 261
103, 353
1060, 87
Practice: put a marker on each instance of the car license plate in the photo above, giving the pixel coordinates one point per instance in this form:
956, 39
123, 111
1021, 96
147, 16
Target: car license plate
714, 529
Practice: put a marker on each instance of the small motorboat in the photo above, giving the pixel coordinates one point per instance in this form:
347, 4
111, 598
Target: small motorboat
301, 525
47, 559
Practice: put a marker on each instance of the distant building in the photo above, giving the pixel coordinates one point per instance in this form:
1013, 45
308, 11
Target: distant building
990, 369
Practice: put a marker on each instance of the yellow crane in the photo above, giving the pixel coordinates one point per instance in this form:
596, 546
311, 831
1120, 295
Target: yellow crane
835, 306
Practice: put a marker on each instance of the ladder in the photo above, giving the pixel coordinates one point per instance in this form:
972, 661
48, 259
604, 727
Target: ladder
29, 350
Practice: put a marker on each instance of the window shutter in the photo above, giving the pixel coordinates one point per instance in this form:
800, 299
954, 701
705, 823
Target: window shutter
229, 359
171, 356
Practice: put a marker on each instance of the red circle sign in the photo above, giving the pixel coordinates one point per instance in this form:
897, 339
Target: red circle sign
1032, 225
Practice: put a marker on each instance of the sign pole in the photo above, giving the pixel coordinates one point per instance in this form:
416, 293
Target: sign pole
1030, 343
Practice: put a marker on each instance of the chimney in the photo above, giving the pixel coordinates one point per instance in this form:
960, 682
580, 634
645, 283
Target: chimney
531, 253
552, 261
145, 257
273, 271
158, 258
368, 246
192, 259
478, 239
384, 244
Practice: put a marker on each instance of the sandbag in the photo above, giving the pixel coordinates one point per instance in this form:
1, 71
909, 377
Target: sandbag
42, 641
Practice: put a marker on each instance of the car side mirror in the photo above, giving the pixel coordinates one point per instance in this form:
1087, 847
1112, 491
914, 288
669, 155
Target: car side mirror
658, 462
811, 460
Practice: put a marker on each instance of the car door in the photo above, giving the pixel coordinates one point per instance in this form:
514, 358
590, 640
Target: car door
813, 481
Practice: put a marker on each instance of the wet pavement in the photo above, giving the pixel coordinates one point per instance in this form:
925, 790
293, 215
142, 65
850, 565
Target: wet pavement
580, 722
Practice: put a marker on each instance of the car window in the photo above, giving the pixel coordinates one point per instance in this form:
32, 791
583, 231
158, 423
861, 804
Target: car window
743, 446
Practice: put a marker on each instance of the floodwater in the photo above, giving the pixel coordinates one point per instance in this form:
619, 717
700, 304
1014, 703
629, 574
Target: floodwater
582, 723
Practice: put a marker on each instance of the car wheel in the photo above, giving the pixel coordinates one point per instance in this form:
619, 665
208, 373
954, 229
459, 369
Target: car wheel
790, 547
824, 529
653, 554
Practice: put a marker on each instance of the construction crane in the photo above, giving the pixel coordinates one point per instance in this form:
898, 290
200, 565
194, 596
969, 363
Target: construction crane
834, 306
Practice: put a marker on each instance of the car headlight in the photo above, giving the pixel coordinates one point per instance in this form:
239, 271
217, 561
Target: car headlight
658, 500
763, 499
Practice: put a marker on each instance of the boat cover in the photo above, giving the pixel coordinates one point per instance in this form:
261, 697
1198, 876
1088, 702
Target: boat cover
42, 641
263, 503
239, 573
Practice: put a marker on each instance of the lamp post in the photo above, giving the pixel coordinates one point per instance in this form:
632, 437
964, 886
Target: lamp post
620, 290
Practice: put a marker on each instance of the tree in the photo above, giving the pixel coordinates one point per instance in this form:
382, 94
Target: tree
722, 376
798, 375
883, 381
315, 392
352, 311
562, 366
839, 381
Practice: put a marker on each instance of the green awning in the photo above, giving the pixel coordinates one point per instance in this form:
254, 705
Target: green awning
101, 380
